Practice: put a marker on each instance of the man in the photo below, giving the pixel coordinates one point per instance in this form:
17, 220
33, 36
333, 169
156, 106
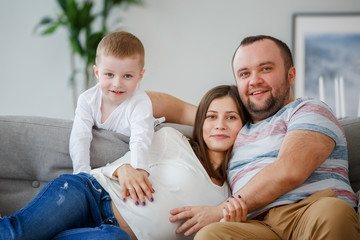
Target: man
289, 165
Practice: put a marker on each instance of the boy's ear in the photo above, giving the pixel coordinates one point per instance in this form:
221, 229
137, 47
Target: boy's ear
96, 71
141, 74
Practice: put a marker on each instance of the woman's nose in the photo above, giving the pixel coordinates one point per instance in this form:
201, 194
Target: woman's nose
220, 124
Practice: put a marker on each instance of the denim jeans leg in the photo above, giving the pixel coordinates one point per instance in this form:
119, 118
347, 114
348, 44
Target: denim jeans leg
110, 230
104, 231
67, 202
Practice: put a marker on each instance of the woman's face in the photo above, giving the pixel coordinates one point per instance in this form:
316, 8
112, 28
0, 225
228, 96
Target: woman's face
221, 125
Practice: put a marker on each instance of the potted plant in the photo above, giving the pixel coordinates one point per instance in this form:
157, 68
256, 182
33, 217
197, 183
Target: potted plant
77, 17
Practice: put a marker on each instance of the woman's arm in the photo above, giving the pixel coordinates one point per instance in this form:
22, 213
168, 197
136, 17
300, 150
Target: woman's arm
172, 108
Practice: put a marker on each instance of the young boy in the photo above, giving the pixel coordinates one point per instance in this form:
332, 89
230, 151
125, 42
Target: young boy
116, 103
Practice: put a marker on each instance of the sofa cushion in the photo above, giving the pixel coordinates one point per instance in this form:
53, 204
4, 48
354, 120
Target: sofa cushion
352, 132
34, 150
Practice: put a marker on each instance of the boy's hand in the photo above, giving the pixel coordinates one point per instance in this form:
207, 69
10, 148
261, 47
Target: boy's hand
134, 183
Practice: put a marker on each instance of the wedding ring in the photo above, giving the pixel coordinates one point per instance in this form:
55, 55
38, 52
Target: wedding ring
129, 188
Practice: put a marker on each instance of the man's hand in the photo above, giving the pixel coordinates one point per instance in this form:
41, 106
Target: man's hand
235, 211
134, 182
196, 217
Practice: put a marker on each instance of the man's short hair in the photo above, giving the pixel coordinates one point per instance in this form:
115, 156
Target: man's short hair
285, 50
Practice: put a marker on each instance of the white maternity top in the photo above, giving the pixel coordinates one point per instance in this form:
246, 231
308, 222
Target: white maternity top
178, 179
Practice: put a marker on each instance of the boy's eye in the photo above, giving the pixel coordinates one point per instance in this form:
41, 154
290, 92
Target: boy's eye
127, 76
109, 74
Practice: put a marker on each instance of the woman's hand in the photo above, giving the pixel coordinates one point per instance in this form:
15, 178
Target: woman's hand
235, 210
134, 183
196, 218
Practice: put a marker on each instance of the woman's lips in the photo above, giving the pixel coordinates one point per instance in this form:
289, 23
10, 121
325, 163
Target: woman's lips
219, 136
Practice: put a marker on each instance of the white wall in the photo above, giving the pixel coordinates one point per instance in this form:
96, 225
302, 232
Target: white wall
189, 45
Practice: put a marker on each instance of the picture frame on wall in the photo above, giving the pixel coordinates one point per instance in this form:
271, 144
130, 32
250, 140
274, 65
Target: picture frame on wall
326, 48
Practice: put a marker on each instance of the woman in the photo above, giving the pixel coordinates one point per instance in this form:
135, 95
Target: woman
92, 207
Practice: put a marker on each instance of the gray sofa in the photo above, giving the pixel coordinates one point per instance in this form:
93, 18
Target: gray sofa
34, 150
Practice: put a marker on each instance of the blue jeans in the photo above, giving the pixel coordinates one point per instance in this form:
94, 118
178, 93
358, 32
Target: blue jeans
68, 207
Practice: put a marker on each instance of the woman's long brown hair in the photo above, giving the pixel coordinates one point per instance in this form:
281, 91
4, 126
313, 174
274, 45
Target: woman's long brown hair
197, 141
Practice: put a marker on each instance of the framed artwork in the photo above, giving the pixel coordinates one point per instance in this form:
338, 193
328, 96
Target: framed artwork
326, 50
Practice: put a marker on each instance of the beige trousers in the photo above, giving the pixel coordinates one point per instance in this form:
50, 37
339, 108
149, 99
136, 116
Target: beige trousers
320, 216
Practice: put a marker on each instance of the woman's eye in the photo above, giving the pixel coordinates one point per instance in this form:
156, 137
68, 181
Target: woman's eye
210, 116
232, 117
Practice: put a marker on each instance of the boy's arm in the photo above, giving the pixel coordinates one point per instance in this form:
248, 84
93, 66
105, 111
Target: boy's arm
141, 135
172, 108
80, 138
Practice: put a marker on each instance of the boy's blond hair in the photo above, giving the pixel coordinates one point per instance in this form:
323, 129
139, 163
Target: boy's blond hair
121, 44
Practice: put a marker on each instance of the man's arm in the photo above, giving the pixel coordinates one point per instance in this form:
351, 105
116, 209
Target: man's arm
301, 153
172, 108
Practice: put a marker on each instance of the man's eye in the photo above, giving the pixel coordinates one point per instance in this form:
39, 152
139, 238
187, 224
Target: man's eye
266, 68
244, 74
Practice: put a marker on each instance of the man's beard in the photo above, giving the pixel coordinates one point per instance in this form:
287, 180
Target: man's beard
272, 105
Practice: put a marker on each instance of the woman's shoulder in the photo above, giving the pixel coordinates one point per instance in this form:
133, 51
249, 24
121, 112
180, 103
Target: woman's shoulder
169, 132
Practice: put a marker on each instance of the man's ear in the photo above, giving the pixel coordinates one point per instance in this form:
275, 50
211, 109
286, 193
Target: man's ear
96, 71
291, 75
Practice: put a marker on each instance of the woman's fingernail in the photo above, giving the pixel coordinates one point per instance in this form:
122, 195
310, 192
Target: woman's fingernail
151, 199
136, 203
227, 201
124, 199
232, 196
153, 190
143, 203
239, 196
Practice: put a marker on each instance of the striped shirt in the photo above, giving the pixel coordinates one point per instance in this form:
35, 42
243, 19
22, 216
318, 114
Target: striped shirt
258, 145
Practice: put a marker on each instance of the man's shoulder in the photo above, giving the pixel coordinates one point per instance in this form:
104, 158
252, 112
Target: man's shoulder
301, 106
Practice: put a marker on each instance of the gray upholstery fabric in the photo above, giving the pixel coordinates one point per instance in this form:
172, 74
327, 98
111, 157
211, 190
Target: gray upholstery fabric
352, 132
34, 150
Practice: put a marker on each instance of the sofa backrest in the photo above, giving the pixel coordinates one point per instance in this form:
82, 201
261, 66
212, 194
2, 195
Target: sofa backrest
352, 132
34, 150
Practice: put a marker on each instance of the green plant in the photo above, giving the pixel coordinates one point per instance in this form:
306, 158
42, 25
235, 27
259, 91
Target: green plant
78, 17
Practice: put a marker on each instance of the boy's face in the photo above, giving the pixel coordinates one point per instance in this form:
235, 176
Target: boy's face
118, 77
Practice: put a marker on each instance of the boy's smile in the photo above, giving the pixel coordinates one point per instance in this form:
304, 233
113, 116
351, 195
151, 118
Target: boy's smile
118, 77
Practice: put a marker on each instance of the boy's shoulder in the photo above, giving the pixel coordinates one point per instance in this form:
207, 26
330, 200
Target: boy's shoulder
90, 96
91, 91
140, 96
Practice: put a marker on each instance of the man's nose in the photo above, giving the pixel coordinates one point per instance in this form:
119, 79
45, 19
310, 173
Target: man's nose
255, 79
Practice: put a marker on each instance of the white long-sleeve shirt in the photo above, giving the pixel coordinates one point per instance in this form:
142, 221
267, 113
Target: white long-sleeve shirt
133, 118
179, 179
